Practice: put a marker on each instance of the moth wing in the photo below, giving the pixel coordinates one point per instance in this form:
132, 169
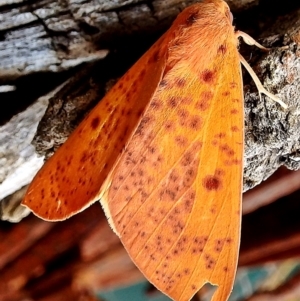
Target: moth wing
175, 194
74, 177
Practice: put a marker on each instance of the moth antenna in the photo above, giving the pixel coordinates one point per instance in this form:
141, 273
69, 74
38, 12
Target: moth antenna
259, 85
249, 40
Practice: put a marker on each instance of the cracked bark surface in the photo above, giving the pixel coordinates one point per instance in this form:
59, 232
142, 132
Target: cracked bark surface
42, 38
54, 36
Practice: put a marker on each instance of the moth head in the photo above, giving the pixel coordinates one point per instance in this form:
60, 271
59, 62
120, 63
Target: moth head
223, 7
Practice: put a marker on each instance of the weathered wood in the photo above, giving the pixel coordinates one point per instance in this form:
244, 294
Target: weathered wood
272, 137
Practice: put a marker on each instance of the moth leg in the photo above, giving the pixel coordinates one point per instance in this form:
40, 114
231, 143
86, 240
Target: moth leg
259, 85
249, 40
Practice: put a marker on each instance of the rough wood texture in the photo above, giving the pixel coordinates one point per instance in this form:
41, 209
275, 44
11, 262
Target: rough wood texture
271, 132
128, 28
53, 36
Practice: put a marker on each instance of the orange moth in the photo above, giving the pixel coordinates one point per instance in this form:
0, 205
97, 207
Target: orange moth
163, 151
